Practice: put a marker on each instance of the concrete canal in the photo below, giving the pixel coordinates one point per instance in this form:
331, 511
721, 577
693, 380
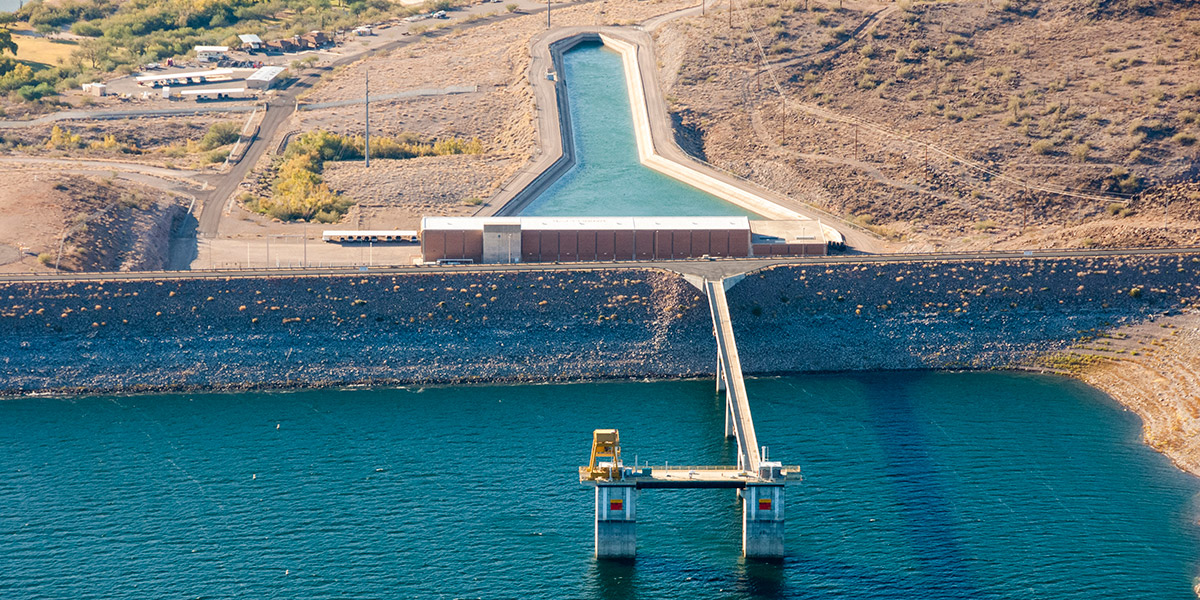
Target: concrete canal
608, 180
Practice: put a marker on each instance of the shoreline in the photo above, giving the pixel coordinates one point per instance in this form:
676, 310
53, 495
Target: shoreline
1186, 463
120, 336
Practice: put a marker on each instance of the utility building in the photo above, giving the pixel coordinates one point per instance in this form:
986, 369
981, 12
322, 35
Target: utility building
591, 239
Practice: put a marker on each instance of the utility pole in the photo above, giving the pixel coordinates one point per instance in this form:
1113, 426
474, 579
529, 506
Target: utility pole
783, 107
367, 139
856, 141
730, 14
1025, 212
547, 14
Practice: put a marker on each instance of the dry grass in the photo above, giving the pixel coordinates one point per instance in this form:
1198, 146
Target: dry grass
41, 51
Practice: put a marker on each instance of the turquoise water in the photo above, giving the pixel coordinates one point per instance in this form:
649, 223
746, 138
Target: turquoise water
608, 180
917, 485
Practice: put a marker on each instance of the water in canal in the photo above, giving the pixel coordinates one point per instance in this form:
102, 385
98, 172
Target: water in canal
608, 180
917, 485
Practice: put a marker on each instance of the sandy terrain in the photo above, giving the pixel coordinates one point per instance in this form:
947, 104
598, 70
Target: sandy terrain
1050, 93
158, 141
395, 194
1154, 369
83, 223
494, 58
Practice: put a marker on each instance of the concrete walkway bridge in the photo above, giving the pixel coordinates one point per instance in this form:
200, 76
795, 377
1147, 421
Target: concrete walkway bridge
759, 482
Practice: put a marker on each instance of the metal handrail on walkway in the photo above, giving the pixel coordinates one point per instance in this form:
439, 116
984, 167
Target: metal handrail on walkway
731, 370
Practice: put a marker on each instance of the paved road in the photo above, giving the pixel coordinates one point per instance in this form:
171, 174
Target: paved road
69, 115
713, 270
420, 93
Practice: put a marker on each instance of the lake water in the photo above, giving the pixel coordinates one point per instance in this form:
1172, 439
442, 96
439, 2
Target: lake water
607, 179
917, 485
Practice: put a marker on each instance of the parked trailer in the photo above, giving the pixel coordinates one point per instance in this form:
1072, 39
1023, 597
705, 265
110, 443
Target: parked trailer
377, 237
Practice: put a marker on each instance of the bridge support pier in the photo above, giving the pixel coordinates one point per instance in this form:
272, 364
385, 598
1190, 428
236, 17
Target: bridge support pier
730, 428
762, 520
616, 521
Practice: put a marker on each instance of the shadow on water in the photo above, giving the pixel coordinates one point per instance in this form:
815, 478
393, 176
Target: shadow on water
929, 529
614, 578
760, 578
183, 246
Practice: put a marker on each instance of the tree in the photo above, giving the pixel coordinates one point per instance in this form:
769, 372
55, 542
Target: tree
6, 41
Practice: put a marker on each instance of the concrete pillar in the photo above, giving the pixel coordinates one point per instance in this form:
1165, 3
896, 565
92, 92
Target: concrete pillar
730, 428
720, 377
616, 521
762, 521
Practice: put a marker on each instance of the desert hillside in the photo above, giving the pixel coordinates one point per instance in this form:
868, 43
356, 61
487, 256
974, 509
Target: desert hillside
982, 124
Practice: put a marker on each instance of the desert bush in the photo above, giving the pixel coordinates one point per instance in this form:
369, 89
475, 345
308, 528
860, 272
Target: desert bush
220, 134
1042, 147
61, 139
1185, 139
1080, 152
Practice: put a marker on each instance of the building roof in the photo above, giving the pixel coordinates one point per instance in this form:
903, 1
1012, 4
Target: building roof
588, 223
369, 232
212, 91
786, 232
188, 75
249, 38
265, 74
212, 48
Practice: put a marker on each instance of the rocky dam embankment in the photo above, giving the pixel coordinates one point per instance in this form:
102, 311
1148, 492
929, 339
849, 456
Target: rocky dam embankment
126, 336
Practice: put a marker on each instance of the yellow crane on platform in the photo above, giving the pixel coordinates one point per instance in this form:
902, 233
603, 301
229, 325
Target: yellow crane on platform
606, 455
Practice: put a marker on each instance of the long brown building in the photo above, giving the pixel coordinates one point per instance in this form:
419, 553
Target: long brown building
590, 239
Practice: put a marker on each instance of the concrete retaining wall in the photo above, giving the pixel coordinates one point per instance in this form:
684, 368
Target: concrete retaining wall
562, 156
650, 157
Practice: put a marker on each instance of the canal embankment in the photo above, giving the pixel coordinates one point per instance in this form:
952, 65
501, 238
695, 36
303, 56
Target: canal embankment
515, 326
653, 133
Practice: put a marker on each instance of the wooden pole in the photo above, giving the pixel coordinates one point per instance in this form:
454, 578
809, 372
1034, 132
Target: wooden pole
367, 115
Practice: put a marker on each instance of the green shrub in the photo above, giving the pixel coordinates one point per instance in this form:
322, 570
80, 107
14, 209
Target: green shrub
220, 134
217, 156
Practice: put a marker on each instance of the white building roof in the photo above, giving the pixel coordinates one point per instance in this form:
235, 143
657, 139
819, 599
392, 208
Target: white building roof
249, 38
212, 48
588, 223
369, 232
212, 91
265, 74
188, 75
